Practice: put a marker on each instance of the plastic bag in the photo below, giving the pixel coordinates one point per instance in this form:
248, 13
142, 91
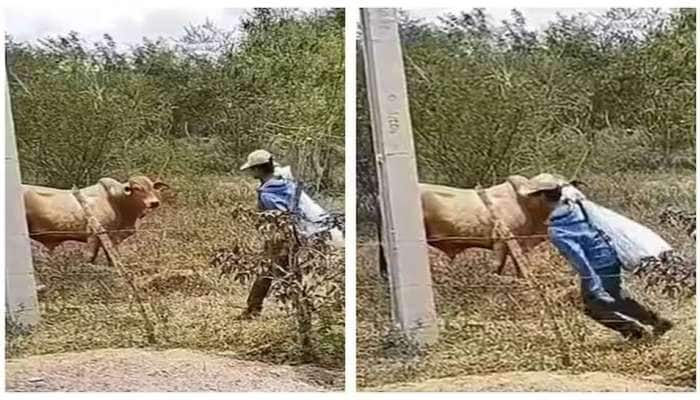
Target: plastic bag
314, 220
284, 172
632, 241
314, 216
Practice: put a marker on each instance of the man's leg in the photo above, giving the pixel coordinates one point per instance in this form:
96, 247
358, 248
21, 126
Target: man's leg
626, 305
636, 310
257, 295
612, 315
607, 316
261, 287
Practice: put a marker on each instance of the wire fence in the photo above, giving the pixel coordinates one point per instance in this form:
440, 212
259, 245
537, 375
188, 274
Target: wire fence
184, 290
668, 264
547, 304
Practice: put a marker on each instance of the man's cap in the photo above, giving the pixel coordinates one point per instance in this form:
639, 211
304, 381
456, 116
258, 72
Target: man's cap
257, 157
543, 182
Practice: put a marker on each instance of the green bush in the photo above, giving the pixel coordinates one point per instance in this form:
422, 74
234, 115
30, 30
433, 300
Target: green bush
586, 95
193, 106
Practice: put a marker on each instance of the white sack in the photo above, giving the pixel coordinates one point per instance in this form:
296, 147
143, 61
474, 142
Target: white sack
284, 172
314, 215
314, 220
632, 241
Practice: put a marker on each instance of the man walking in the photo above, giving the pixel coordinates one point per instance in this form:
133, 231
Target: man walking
589, 251
277, 191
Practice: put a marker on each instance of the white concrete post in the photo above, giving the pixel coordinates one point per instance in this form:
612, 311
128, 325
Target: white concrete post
20, 289
413, 306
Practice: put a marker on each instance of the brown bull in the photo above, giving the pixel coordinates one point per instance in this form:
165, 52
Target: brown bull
55, 215
457, 219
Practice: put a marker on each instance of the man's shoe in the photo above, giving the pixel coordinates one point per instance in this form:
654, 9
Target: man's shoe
248, 314
634, 335
661, 327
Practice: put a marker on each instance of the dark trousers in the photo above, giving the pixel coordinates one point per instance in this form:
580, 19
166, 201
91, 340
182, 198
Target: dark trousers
262, 284
623, 315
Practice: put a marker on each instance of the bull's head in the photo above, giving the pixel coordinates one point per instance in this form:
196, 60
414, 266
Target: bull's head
142, 193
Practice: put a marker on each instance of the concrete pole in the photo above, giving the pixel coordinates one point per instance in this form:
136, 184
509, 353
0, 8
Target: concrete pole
20, 289
413, 306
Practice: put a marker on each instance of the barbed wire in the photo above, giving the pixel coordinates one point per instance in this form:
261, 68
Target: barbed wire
495, 321
522, 285
334, 215
364, 244
335, 220
518, 283
464, 238
200, 229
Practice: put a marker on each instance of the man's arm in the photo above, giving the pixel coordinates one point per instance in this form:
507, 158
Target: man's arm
272, 202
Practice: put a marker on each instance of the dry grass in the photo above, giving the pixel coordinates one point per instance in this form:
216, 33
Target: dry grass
536, 381
89, 307
175, 370
502, 326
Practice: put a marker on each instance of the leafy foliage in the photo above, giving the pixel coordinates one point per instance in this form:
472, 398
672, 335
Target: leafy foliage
588, 94
188, 106
309, 281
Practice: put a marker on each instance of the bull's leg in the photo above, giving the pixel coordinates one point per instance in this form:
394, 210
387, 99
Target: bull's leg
500, 251
95, 247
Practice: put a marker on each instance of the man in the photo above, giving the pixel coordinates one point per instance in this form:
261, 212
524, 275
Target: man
278, 191
589, 251
275, 191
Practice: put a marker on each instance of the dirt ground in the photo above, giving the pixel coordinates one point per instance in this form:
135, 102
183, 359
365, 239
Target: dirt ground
178, 370
536, 382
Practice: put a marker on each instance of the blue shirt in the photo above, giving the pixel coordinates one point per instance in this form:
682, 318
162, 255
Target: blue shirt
584, 246
277, 194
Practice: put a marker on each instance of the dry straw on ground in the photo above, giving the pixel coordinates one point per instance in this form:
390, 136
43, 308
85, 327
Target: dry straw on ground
175, 370
493, 324
195, 307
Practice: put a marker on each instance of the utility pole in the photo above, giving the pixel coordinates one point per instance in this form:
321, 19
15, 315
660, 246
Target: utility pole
20, 289
413, 306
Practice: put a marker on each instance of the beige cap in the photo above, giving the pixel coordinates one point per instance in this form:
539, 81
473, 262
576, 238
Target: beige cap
543, 182
258, 157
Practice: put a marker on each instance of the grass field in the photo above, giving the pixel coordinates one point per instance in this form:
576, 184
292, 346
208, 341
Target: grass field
492, 324
89, 307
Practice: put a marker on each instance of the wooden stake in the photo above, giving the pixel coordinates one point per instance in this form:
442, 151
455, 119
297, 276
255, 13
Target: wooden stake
502, 232
113, 259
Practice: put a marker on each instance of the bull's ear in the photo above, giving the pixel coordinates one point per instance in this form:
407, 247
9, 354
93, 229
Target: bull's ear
577, 183
160, 186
